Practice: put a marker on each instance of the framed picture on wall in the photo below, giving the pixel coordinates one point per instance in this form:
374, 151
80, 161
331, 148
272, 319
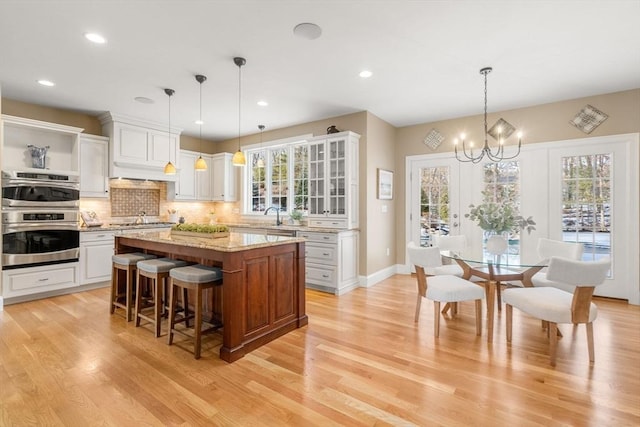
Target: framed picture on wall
385, 184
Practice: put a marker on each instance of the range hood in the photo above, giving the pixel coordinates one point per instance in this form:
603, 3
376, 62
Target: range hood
140, 149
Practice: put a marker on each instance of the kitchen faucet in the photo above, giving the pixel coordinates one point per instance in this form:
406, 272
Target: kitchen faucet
142, 218
278, 222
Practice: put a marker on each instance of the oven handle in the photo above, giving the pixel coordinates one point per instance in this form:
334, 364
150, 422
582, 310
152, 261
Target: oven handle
17, 228
40, 183
31, 204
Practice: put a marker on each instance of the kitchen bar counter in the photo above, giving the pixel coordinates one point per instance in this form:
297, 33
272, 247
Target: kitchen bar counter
263, 290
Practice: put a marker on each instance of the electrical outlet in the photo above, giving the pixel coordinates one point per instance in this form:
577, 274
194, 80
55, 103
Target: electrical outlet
388, 252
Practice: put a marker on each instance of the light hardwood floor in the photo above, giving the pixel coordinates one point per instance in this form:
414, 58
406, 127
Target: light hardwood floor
361, 361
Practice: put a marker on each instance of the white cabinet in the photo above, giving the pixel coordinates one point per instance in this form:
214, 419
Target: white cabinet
204, 183
333, 181
140, 149
96, 249
185, 186
224, 178
217, 183
331, 260
35, 280
94, 166
192, 184
19, 132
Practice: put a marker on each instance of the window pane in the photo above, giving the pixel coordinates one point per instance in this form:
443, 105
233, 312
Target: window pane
586, 214
434, 202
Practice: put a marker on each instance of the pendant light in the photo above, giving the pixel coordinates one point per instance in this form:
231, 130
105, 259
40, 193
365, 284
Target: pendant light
169, 168
201, 165
238, 158
260, 162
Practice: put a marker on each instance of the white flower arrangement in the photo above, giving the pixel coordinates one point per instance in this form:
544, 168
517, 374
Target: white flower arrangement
499, 218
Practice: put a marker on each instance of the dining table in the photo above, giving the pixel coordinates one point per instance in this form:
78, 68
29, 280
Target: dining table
493, 274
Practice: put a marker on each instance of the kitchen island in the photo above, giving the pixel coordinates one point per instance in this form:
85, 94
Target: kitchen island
263, 290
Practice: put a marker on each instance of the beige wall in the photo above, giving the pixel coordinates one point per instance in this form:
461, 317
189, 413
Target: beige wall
90, 124
380, 229
541, 123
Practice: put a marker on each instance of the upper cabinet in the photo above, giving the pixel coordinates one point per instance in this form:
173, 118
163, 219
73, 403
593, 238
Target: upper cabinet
140, 149
333, 180
217, 183
58, 144
94, 166
223, 178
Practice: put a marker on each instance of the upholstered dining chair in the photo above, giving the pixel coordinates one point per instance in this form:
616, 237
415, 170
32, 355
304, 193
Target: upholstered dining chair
454, 244
548, 248
554, 305
441, 288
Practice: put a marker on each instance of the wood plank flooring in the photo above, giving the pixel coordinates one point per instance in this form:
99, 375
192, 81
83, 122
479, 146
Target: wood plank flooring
361, 361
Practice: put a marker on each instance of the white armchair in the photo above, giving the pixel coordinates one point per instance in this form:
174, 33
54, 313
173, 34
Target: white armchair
548, 248
441, 288
554, 305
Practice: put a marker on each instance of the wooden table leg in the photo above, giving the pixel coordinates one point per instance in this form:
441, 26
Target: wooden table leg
491, 292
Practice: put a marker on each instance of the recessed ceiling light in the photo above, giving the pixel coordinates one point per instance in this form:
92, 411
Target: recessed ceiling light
199, 122
46, 83
95, 38
144, 100
263, 103
307, 30
365, 74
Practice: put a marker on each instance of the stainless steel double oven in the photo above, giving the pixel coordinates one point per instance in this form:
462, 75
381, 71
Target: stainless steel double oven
39, 218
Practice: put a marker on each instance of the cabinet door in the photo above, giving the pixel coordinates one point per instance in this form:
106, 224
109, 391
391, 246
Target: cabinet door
223, 178
162, 148
336, 165
94, 166
317, 179
186, 183
95, 262
130, 144
204, 181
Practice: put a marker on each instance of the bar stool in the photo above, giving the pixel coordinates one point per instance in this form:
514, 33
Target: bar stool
197, 278
124, 263
156, 271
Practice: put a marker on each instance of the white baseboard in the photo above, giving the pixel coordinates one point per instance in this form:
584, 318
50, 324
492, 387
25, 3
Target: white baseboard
379, 276
1, 304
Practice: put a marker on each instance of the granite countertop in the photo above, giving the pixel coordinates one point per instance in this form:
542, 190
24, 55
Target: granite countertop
127, 226
232, 243
285, 227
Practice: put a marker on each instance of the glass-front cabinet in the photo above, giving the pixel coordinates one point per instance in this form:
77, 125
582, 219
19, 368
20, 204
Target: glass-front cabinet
333, 180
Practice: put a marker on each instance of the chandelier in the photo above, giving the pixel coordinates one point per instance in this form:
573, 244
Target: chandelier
494, 154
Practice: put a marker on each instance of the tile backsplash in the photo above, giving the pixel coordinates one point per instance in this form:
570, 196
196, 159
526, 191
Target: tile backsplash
129, 197
132, 201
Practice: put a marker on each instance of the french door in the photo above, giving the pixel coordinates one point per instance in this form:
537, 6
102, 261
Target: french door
593, 199
433, 190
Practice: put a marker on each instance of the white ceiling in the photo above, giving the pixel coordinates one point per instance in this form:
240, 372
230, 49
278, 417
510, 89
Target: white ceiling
425, 57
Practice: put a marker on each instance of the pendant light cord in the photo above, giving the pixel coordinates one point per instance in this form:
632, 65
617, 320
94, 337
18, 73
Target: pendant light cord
239, 101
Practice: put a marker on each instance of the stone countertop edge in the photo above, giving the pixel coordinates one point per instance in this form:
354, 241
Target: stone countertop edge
233, 243
288, 227
124, 227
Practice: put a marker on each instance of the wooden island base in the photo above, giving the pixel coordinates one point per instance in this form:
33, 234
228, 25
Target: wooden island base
263, 290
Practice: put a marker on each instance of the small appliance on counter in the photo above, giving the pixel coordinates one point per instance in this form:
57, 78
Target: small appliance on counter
90, 219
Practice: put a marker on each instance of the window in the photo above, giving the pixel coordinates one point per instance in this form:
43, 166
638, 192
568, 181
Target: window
434, 202
271, 182
502, 186
586, 203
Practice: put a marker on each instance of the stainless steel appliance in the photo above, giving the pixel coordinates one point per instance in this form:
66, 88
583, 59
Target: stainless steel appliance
39, 219
40, 189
